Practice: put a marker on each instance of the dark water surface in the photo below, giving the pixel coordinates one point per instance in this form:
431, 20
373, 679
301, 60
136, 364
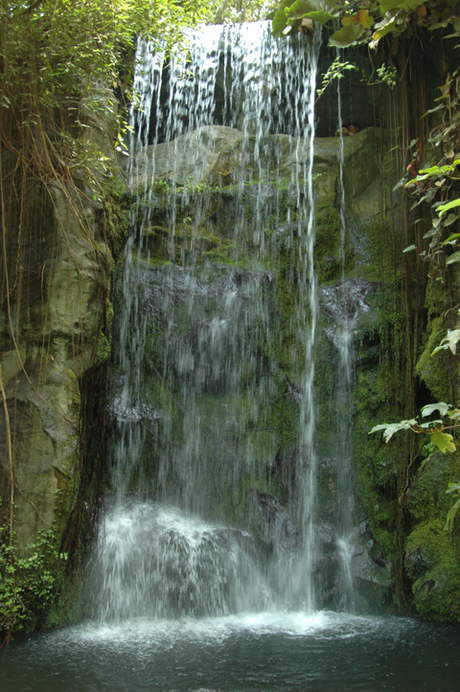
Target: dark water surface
324, 652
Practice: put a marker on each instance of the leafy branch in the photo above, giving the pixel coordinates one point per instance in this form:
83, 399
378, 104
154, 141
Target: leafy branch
336, 70
435, 429
438, 436
366, 22
453, 488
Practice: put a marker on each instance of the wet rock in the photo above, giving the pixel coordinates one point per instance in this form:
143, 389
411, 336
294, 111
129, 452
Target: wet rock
60, 339
345, 299
132, 412
280, 530
187, 159
370, 569
325, 532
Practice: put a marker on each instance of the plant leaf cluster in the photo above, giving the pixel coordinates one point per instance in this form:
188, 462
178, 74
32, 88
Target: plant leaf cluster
367, 21
437, 184
435, 429
27, 584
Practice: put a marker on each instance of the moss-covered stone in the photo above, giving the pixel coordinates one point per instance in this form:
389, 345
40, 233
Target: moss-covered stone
433, 564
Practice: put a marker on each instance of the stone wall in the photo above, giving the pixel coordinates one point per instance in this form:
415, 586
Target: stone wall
51, 334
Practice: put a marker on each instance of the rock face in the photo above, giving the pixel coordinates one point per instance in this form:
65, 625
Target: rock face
213, 284
50, 336
216, 288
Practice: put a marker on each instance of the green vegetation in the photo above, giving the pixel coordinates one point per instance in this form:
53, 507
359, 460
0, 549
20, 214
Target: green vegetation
366, 22
27, 580
60, 63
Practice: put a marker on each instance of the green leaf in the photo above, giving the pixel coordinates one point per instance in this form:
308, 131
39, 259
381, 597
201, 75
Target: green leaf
401, 182
449, 341
389, 429
452, 239
443, 441
451, 514
452, 218
299, 8
450, 205
407, 5
439, 406
383, 28
454, 258
319, 16
346, 36
409, 248
280, 20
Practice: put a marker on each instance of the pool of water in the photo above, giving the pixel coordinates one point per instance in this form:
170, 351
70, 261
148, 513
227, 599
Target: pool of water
286, 652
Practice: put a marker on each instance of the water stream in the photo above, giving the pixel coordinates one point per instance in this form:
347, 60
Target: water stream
183, 441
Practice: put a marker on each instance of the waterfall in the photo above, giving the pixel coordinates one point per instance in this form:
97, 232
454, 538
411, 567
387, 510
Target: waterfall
213, 491
346, 326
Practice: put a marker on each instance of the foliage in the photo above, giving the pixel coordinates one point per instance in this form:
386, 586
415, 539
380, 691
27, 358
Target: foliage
233, 11
27, 584
450, 341
438, 437
53, 54
387, 75
366, 22
335, 70
435, 429
437, 184
453, 488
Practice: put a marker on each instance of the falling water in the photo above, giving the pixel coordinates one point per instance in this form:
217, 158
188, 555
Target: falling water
346, 326
195, 524
344, 303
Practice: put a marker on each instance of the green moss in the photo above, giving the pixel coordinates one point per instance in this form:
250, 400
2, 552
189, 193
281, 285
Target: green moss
433, 564
327, 246
427, 496
116, 219
435, 369
104, 348
184, 244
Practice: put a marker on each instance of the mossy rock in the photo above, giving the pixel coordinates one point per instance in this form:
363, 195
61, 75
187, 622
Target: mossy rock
427, 496
432, 562
436, 370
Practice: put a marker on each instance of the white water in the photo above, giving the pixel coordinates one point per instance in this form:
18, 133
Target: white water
155, 561
177, 554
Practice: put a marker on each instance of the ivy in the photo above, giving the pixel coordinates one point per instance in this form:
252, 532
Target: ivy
335, 71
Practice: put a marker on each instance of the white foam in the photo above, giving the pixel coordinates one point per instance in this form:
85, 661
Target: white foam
162, 632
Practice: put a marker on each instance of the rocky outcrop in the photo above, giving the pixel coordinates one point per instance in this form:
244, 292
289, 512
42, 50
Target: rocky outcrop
51, 334
220, 156
217, 283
